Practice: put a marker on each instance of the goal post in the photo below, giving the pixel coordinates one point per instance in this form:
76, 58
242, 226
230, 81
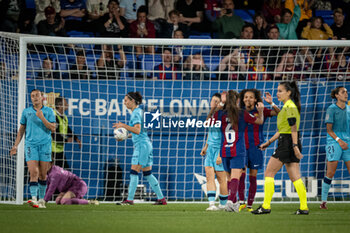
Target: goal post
96, 102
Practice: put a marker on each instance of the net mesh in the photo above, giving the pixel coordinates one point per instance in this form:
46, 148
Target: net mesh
179, 79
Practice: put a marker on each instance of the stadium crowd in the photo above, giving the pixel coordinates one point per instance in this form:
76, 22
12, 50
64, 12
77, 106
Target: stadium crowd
205, 19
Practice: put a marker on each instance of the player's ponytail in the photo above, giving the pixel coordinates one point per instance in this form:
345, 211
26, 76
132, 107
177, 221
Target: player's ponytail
295, 93
335, 91
232, 108
136, 96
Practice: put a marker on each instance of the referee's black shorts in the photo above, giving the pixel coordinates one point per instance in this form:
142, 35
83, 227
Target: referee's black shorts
285, 151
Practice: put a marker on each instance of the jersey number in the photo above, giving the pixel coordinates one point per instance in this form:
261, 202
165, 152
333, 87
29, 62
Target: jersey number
230, 135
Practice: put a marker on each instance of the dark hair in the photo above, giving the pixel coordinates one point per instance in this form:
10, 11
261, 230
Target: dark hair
135, 96
217, 95
335, 91
116, 1
247, 25
35, 90
174, 12
285, 11
47, 58
80, 52
272, 26
59, 101
142, 9
232, 108
295, 93
256, 93
167, 48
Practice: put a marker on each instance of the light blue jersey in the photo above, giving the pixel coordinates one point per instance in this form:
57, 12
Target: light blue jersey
36, 131
214, 137
137, 118
340, 118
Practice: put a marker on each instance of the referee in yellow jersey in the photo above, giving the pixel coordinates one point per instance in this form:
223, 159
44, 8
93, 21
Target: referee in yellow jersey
288, 152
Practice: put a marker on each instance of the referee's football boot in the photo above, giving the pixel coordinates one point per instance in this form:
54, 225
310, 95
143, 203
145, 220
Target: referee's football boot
261, 210
302, 212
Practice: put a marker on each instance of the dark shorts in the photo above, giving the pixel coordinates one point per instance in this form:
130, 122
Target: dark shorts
255, 158
285, 151
79, 188
237, 162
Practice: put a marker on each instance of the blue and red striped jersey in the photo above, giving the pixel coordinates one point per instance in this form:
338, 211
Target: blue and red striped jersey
254, 133
232, 140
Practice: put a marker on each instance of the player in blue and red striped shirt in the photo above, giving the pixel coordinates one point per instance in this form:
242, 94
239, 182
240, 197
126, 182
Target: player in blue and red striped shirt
233, 123
253, 138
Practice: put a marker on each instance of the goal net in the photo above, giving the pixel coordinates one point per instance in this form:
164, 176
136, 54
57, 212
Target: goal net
178, 80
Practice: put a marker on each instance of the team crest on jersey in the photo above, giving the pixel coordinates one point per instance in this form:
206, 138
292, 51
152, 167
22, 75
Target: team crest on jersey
49, 99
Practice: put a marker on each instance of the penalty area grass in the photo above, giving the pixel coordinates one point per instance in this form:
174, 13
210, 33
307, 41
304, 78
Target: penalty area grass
177, 218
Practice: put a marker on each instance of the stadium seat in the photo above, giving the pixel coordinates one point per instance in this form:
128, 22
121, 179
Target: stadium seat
30, 4
246, 15
327, 16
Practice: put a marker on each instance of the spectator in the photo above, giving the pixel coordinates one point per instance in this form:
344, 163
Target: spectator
257, 69
80, 70
26, 23
2, 70
305, 12
317, 30
142, 28
107, 65
305, 59
228, 25
247, 32
97, 8
260, 26
287, 69
230, 64
48, 71
289, 23
167, 66
112, 24
212, 9
195, 66
128, 9
191, 14
73, 12
52, 25
341, 31
10, 11
272, 11
40, 6
273, 53
178, 49
335, 64
174, 24
160, 9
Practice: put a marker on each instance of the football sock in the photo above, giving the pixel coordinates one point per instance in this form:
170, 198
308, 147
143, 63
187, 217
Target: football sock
154, 185
269, 189
301, 190
241, 188
42, 188
211, 196
252, 190
233, 190
33, 189
134, 181
223, 199
326, 185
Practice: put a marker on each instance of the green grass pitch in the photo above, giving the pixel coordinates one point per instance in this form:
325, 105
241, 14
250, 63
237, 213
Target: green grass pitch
179, 218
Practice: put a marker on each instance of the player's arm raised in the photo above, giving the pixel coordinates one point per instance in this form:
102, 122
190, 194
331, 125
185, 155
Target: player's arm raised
268, 99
